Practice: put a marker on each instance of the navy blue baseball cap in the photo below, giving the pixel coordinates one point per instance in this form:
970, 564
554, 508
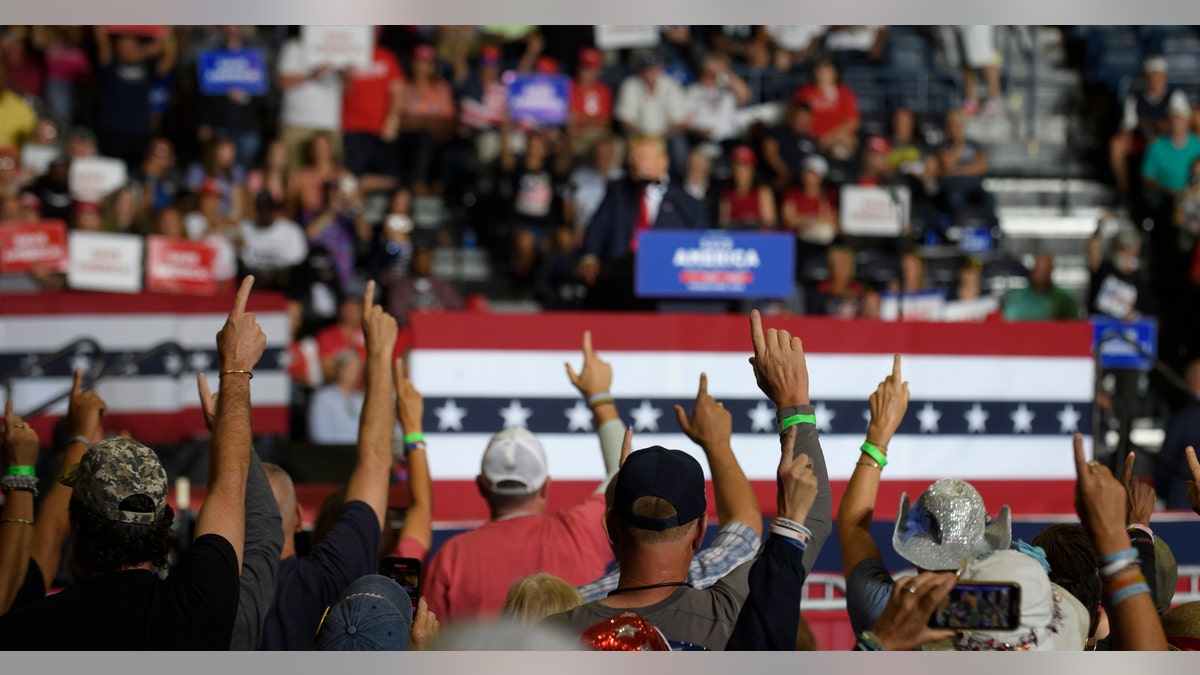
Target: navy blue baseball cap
671, 475
374, 614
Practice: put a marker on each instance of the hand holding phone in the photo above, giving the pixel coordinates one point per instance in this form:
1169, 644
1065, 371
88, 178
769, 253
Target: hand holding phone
406, 572
987, 606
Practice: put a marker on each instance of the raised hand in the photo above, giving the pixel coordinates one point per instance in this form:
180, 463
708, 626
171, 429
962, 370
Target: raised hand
626, 445
904, 623
21, 444
596, 375
241, 342
888, 405
410, 405
711, 424
796, 483
1100, 501
85, 409
208, 402
425, 628
1141, 496
779, 365
1193, 485
379, 327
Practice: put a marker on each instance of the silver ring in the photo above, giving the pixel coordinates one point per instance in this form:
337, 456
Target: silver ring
911, 589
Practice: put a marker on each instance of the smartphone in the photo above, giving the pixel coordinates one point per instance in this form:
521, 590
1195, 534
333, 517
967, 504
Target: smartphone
406, 572
991, 606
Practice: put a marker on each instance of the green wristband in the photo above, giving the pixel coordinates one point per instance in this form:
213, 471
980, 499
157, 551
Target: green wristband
414, 437
796, 419
874, 453
22, 471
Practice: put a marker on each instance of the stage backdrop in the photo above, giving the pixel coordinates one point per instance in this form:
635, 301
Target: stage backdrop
992, 403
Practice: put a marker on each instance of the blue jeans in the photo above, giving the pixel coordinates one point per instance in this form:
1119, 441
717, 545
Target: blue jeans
248, 144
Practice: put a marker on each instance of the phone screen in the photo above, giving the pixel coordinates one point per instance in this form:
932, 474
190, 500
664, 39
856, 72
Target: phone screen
406, 572
979, 606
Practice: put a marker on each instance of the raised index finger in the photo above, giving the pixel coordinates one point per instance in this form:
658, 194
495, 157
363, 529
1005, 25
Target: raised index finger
1127, 474
1193, 464
243, 294
587, 343
703, 386
369, 296
77, 387
756, 332
896, 368
9, 415
1081, 460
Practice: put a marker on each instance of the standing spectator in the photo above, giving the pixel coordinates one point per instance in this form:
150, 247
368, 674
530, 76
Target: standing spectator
855, 45
334, 409
127, 74
797, 42
587, 184
973, 49
371, 106
1187, 210
17, 118
235, 115
21, 53
1146, 115
532, 185
311, 102
1117, 288
428, 114
808, 210
219, 167
1167, 166
483, 102
339, 226
652, 103
841, 295
1042, 300
834, 107
1182, 431
161, 180
67, 67
788, 146
591, 103
746, 204
394, 246
420, 290
272, 175
962, 164
270, 244
713, 101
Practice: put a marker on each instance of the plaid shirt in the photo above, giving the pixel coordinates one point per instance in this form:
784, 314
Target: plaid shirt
734, 544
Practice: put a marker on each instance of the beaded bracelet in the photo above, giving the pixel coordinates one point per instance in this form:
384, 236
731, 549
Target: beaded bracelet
796, 419
1128, 592
1127, 554
25, 483
871, 450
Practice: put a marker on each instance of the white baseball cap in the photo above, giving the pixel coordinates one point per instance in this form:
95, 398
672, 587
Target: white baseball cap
514, 463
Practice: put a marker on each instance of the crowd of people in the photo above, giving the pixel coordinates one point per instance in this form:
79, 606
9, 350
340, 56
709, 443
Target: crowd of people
624, 569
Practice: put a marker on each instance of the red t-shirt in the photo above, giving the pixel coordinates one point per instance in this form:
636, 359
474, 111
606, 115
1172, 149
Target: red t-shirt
471, 573
806, 205
829, 109
744, 207
592, 103
366, 99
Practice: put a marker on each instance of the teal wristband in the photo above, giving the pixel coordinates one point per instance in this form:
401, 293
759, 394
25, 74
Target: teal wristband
796, 419
22, 471
874, 453
414, 437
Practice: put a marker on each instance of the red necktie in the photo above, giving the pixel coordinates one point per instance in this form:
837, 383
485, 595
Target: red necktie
643, 221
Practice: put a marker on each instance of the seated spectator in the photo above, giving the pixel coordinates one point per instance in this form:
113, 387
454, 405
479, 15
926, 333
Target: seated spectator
1042, 300
87, 217
308, 585
219, 166
746, 204
699, 184
428, 114
652, 103
334, 409
307, 183
161, 181
834, 108
788, 146
841, 295
972, 49
587, 183
907, 152
797, 42
17, 118
1146, 116
968, 302
1166, 169
471, 573
273, 176
270, 243
531, 184
371, 104
483, 102
168, 222
875, 162
536, 597
855, 45
119, 514
311, 101
808, 209
591, 104
121, 212
393, 250
713, 100
962, 164
237, 114
126, 76
1118, 288
81, 143
420, 290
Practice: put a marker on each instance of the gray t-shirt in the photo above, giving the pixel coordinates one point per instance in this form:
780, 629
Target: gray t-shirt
700, 617
868, 589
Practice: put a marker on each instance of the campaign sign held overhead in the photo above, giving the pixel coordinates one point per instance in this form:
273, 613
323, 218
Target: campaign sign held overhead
221, 71
539, 98
715, 264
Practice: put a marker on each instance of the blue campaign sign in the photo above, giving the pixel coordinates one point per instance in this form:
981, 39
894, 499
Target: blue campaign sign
539, 98
715, 264
1111, 339
220, 71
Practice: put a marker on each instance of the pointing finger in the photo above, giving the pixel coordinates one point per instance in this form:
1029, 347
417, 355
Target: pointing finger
369, 296
703, 386
1081, 461
1193, 464
243, 294
587, 343
896, 368
77, 387
9, 416
756, 333
626, 445
1127, 474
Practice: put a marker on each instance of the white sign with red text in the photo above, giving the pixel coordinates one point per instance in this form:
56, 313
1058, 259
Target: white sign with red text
105, 261
338, 46
869, 211
94, 178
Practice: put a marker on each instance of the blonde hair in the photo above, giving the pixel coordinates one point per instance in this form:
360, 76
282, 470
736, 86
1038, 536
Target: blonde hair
654, 141
536, 597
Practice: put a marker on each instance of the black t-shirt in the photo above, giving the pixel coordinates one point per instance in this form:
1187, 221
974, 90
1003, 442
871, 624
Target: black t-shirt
534, 195
794, 148
1115, 294
968, 152
125, 97
308, 585
192, 609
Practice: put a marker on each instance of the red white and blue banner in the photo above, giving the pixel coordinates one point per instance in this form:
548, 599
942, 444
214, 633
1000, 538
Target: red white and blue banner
992, 403
154, 400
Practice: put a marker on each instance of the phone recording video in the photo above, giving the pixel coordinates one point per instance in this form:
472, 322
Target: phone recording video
979, 606
406, 572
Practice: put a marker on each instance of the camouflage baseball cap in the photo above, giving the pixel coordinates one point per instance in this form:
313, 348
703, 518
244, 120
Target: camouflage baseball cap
111, 472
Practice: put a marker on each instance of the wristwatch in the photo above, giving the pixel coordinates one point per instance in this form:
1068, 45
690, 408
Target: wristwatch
867, 642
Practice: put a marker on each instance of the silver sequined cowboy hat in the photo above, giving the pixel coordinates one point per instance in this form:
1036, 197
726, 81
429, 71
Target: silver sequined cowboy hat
947, 525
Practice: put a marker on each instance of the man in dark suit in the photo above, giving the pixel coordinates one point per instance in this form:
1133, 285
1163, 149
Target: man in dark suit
641, 201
